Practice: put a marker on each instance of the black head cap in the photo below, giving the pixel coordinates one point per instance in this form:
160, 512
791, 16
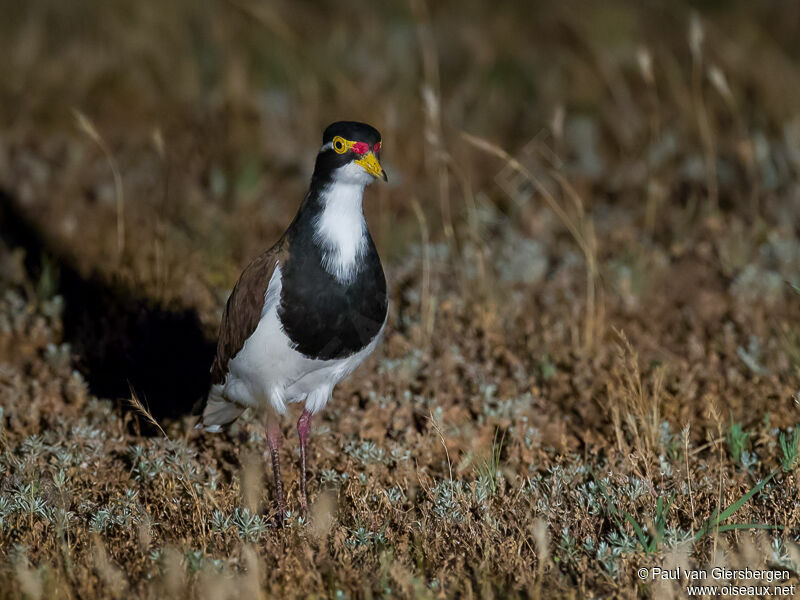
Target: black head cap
353, 131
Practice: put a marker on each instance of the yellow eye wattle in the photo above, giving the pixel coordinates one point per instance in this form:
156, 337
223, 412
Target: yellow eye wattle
339, 145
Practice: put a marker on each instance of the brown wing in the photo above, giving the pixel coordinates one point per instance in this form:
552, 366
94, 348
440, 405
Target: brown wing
243, 310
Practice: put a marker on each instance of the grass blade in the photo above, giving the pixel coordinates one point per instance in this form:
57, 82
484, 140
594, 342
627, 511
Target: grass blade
714, 521
639, 532
738, 526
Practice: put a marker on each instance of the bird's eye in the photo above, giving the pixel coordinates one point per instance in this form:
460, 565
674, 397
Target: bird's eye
339, 145
376, 147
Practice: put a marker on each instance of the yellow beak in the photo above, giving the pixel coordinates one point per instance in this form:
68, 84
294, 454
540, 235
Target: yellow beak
371, 165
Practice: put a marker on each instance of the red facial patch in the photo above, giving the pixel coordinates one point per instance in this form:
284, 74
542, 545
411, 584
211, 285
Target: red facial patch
377, 147
360, 148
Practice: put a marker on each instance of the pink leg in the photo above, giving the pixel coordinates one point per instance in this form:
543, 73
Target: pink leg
274, 440
303, 427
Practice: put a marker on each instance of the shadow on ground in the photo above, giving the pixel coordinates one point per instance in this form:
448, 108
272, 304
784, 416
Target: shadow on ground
122, 339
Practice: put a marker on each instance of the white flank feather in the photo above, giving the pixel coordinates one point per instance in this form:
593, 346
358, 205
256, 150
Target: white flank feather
269, 370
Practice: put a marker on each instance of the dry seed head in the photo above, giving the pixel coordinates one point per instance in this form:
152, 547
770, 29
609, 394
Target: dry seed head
794, 552
541, 538
29, 581
322, 514
111, 575
251, 581
86, 125
158, 142
696, 36
712, 413
252, 482
213, 587
557, 122
174, 579
750, 554
720, 83
645, 60
145, 537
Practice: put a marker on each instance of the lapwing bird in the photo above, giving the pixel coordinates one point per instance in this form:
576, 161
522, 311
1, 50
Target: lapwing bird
310, 309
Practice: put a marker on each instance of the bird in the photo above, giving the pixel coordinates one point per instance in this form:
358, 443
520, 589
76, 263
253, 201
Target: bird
305, 313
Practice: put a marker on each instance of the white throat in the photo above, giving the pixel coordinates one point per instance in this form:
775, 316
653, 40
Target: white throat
340, 229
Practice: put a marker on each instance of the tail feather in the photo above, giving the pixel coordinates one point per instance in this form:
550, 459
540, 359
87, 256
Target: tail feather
218, 411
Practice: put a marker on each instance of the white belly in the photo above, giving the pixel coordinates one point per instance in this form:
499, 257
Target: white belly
269, 370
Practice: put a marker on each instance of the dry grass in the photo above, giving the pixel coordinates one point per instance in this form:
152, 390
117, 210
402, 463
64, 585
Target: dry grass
591, 364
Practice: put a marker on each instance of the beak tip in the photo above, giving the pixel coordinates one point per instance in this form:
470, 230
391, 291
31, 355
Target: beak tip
385, 177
